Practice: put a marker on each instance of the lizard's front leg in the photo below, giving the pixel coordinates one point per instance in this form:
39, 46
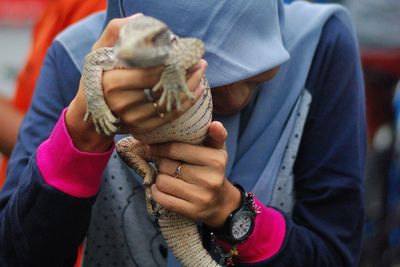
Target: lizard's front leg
185, 53
95, 64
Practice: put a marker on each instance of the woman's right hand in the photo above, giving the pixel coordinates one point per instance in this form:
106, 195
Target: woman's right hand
124, 94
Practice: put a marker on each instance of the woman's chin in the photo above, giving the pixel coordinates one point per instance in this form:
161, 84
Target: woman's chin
229, 107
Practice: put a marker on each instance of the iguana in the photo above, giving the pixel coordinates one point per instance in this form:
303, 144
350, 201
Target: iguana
146, 42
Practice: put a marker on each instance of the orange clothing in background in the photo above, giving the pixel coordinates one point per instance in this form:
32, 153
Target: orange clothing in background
57, 15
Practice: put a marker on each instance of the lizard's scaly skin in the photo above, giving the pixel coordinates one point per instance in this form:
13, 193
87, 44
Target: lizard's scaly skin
147, 42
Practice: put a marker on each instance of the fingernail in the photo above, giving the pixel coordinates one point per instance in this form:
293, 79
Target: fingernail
205, 65
136, 15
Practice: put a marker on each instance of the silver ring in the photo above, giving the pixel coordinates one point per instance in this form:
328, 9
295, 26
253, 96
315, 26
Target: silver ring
149, 95
178, 171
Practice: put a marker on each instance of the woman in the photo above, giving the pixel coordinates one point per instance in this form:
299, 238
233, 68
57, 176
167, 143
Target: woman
289, 101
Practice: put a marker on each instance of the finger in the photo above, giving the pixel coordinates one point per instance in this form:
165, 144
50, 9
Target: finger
216, 135
110, 34
131, 78
181, 190
170, 201
170, 167
132, 115
202, 64
155, 116
139, 78
193, 174
192, 154
123, 94
120, 101
195, 76
143, 118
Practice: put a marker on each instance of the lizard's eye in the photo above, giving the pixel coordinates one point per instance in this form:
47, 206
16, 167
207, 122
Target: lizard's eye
162, 38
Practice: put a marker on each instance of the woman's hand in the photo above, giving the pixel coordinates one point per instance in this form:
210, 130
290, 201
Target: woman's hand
200, 192
124, 93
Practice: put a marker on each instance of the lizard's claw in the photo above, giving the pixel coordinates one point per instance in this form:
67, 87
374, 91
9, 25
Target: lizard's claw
95, 63
173, 82
104, 122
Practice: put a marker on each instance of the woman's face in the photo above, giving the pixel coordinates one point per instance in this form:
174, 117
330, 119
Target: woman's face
232, 98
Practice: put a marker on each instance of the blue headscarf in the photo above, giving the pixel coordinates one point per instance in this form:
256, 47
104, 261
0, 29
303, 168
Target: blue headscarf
242, 39
229, 31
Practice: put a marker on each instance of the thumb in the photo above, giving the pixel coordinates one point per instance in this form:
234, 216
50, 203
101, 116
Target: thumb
216, 136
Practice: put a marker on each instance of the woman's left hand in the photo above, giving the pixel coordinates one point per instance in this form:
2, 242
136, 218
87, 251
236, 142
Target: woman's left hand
201, 191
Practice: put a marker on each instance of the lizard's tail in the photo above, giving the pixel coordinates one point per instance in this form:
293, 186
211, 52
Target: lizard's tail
182, 237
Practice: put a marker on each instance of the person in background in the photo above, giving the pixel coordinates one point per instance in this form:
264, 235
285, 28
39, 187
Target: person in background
57, 15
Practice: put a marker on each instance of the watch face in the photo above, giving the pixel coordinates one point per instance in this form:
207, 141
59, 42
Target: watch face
242, 225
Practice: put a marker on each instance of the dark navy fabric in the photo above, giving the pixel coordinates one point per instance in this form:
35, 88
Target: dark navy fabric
41, 226
328, 217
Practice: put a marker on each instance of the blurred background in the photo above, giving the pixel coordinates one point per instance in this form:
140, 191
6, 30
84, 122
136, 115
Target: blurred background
28, 26
16, 20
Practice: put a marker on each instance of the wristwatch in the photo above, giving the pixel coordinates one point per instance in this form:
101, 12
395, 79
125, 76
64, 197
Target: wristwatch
240, 223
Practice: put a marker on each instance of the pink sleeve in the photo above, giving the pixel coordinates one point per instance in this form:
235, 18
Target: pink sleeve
267, 237
66, 168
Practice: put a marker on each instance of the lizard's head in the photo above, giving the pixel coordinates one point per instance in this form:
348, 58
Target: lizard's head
144, 42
